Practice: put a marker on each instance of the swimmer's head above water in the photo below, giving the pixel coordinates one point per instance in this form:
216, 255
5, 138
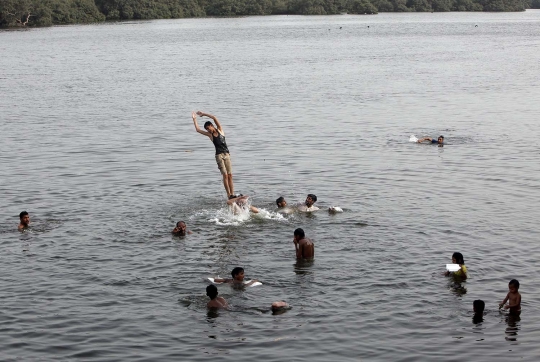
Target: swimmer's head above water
478, 306
24, 218
310, 200
457, 258
180, 228
440, 140
280, 202
211, 291
238, 273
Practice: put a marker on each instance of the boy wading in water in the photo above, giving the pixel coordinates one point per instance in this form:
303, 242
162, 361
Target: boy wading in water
304, 246
513, 298
223, 159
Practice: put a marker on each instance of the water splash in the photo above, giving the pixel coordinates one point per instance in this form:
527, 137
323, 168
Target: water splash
225, 216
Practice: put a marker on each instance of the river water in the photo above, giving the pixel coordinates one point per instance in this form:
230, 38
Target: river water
97, 144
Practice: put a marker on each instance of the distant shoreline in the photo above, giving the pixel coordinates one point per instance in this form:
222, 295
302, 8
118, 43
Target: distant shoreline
102, 11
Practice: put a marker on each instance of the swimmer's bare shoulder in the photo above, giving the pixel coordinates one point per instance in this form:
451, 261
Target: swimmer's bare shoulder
219, 302
307, 248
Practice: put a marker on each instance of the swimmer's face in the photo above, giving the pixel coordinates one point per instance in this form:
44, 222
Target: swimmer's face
210, 129
239, 276
440, 140
454, 261
25, 220
181, 227
512, 289
309, 201
282, 203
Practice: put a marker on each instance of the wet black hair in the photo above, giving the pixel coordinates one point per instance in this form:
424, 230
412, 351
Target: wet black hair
211, 291
235, 196
441, 136
299, 232
279, 200
459, 258
479, 306
514, 283
236, 271
22, 214
180, 222
313, 197
208, 123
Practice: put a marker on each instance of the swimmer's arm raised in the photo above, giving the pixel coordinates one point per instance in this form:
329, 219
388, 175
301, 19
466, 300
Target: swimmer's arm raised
207, 134
424, 139
202, 114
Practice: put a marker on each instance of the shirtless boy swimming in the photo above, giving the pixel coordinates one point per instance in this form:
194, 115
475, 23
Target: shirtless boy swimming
237, 278
215, 301
513, 298
305, 249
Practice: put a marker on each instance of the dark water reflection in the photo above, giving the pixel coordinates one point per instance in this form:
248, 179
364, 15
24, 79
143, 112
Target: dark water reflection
96, 142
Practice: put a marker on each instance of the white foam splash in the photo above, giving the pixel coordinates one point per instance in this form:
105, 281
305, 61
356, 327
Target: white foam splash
413, 139
335, 209
225, 216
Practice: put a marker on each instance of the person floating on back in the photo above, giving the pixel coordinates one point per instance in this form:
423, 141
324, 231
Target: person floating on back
181, 229
237, 278
478, 308
215, 301
513, 298
308, 205
223, 158
24, 221
239, 205
305, 249
457, 258
439, 140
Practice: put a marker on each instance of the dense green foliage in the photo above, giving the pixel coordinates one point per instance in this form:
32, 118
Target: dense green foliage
49, 12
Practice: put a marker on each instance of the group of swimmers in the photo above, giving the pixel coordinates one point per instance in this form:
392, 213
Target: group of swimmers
513, 297
304, 247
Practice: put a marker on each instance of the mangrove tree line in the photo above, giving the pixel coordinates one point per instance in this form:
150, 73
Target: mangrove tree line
56, 12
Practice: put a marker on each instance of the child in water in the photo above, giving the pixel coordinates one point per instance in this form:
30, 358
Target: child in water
457, 258
513, 298
215, 301
478, 308
237, 278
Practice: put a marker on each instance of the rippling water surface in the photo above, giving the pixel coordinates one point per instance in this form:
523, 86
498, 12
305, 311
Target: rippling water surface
98, 146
